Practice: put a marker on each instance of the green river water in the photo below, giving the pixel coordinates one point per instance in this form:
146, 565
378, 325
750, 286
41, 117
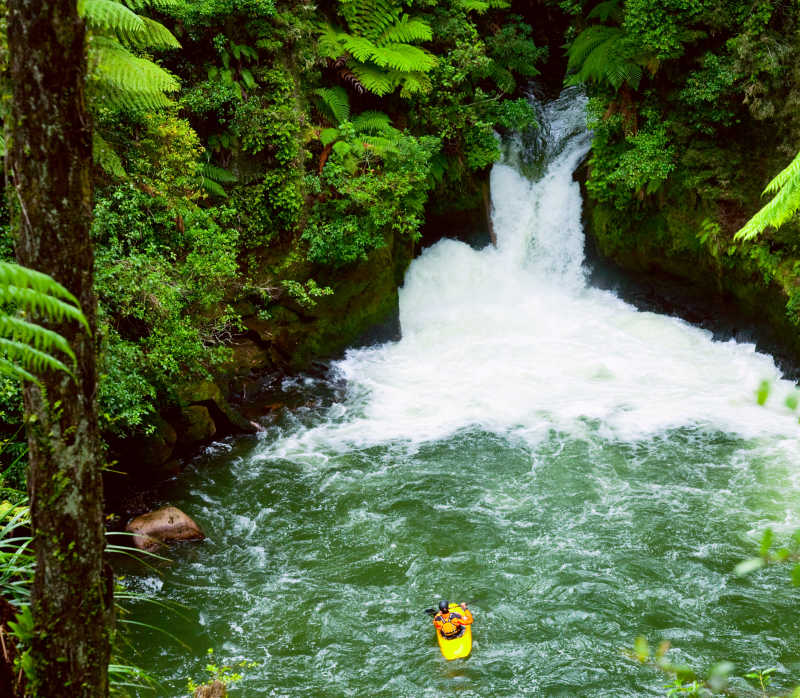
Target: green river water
580, 472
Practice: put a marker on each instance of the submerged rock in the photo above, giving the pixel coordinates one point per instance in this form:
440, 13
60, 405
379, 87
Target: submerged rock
211, 690
166, 525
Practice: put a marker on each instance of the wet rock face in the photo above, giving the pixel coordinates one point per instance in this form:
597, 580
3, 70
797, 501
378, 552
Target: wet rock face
157, 528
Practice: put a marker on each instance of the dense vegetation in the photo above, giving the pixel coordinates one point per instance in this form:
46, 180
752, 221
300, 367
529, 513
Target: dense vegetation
301, 141
253, 158
695, 109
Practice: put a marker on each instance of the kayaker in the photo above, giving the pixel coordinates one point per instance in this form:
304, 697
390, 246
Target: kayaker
449, 623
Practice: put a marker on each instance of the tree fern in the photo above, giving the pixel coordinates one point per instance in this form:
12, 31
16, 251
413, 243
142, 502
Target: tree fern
601, 54
378, 47
27, 348
373, 122
120, 77
786, 201
333, 103
127, 80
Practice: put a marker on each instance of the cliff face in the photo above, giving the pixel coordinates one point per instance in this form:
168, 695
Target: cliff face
673, 264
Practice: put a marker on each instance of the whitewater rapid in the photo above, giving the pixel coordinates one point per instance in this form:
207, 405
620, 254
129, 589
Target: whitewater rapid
512, 339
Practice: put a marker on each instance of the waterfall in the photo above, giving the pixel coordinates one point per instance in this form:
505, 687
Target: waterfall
511, 339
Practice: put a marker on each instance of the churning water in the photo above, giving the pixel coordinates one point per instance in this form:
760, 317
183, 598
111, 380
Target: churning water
580, 471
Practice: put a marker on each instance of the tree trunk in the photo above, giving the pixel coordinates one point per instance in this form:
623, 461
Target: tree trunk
50, 192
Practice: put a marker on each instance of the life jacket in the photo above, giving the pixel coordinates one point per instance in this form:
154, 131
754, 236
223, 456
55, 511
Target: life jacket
449, 629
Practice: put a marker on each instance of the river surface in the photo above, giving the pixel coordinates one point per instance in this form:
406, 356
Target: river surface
580, 472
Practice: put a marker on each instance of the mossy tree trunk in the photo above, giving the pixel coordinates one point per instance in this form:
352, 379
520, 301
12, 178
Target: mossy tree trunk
50, 191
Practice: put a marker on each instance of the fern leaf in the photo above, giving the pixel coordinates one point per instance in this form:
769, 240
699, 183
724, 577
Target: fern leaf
380, 144
405, 31
781, 208
213, 187
372, 121
330, 42
609, 9
218, 174
600, 53
479, 6
359, 47
377, 81
329, 135
789, 175
139, 5
335, 103
34, 291
106, 157
370, 18
403, 57
155, 35
11, 370
415, 83
29, 358
109, 15
127, 80
20, 330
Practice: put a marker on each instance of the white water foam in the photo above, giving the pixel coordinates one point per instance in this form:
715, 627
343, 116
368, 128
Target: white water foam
511, 339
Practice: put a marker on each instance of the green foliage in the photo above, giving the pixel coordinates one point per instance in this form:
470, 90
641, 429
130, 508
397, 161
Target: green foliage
161, 289
369, 192
379, 49
306, 294
781, 208
118, 78
26, 347
227, 674
603, 54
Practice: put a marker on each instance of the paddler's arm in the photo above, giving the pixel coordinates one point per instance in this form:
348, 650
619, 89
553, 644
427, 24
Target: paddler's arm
467, 619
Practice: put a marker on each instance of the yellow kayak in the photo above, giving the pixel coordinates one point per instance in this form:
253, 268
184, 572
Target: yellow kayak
456, 647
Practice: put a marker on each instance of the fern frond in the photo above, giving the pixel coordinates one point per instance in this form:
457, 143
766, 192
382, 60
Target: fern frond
156, 35
373, 121
377, 81
109, 17
414, 83
380, 144
139, 5
213, 187
404, 57
782, 207
328, 135
406, 30
789, 175
479, 6
609, 9
600, 53
218, 174
28, 358
359, 47
370, 18
7, 368
335, 103
106, 157
32, 290
127, 80
330, 42
29, 333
